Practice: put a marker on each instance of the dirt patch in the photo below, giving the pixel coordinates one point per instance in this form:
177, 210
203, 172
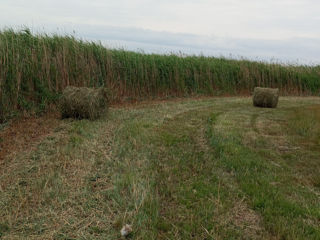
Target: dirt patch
22, 134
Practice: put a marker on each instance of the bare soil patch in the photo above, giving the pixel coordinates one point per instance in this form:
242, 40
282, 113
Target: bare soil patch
24, 133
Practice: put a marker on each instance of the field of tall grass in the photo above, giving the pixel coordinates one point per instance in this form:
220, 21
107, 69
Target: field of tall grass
34, 69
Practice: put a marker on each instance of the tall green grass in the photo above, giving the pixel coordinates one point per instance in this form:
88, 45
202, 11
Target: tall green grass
34, 69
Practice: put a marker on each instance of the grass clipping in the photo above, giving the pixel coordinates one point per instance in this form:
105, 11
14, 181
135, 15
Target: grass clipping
82, 102
265, 97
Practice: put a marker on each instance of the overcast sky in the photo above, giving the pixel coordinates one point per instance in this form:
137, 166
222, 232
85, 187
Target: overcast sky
278, 30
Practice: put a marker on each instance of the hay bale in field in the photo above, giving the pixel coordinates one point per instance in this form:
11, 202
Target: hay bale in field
82, 102
265, 97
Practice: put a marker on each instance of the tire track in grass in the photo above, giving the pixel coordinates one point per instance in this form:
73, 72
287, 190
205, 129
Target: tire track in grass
197, 199
255, 175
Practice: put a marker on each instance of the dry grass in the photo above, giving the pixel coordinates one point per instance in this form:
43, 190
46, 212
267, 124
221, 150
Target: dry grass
55, 183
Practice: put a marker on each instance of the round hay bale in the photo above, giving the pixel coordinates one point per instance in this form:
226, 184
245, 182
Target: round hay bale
82, 102
265, 97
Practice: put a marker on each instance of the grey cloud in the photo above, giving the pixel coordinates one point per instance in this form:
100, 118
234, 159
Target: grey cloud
282, 29
301, 50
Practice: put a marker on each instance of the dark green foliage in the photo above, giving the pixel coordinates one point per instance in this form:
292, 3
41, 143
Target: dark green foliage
3, 228
34, 69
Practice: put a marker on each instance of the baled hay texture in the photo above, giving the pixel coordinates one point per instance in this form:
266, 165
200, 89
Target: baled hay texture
265, 97
82, 102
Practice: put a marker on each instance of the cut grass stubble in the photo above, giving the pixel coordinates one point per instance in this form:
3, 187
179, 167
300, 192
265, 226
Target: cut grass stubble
203, 169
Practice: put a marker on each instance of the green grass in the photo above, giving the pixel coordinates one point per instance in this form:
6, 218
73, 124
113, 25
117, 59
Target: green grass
34, 69
194, 169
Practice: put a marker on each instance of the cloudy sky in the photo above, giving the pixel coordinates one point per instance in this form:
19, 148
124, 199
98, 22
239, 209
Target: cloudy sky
276, 30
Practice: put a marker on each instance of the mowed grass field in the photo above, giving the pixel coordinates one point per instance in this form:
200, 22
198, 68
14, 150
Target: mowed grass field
212, 168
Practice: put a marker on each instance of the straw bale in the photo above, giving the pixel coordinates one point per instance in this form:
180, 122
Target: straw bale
265, 97
82, 102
